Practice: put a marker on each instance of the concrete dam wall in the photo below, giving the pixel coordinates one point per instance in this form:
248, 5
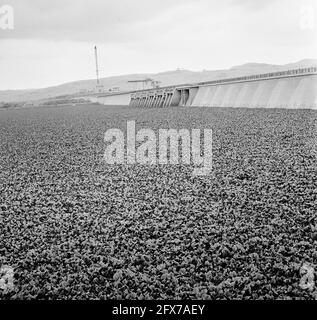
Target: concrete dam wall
291, 89
291, 92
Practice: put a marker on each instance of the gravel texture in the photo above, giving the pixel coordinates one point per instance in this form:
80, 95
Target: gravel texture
73, 227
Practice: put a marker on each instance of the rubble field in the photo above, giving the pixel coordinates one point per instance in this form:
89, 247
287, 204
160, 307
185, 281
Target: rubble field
75, 227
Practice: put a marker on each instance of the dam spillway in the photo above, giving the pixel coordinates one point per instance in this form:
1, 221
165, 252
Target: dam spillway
293, 89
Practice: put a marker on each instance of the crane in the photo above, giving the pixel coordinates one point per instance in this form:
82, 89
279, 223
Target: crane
97, 71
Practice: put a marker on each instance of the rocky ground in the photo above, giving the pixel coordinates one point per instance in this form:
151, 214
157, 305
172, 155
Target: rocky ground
73, 227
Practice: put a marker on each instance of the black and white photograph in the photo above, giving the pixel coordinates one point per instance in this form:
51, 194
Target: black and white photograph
158, 150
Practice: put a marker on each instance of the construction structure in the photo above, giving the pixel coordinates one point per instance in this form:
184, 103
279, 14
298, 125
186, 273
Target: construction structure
143, 84
99, 86
285, 89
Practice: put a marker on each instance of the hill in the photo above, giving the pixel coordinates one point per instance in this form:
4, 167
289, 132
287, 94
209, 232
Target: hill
166, 78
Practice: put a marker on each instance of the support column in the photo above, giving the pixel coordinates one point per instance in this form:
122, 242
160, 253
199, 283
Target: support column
182, 98
156, 101
160, 101
149, 101
170, 99
152, 101
146, 101
165, 100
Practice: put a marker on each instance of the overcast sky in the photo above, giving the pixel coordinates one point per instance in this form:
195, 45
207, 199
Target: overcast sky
52, 40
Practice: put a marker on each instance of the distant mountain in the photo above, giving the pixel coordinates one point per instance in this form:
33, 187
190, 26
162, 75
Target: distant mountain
264, 67
166, 78
248, 66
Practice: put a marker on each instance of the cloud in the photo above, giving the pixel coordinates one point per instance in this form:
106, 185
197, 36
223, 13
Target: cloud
83, 20
144, 21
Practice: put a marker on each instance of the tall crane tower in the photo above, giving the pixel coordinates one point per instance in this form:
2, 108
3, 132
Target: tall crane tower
99, 87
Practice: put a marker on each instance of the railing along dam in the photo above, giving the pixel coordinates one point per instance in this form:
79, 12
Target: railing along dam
286, 89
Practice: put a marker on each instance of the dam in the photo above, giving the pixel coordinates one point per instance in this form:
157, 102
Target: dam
292, 89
